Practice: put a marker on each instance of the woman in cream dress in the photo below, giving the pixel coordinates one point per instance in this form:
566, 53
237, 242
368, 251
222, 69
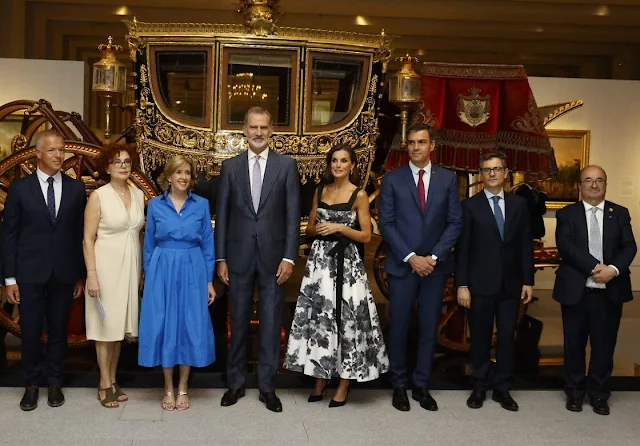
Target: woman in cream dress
113, 219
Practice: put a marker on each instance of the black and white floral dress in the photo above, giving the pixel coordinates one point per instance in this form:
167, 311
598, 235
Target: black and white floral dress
315, 348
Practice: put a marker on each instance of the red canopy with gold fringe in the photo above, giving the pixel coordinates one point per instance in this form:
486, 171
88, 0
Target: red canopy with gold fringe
482, 108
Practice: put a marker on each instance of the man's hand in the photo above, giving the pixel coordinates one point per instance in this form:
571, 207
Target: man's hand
284, 272
13, 294
603, 274
223, 272
78, 289
464, 297
327, 228
211, 292
527, 294
422, 266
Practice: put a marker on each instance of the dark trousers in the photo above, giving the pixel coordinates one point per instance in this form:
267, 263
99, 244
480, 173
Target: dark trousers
597, 318
241, 288
483, 311
37, 302
428, 291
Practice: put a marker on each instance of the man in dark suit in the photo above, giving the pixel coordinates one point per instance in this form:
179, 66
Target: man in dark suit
43, 263
420, 220
257, 235
494, 272
596, 244
536, 204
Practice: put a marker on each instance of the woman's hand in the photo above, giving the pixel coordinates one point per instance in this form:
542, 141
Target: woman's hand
92, 285
326, 228
212, 293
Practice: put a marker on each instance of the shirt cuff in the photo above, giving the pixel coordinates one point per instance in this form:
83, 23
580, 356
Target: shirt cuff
617, 270
10, 281
406, 259
290, 261
463, 286
221, 260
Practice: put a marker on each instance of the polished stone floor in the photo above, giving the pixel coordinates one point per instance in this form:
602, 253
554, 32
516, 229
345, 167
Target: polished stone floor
367, 419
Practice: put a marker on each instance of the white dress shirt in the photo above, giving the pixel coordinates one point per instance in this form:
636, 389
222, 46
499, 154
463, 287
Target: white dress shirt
501, 203
44, 187
262, 160
600, 217
426, 179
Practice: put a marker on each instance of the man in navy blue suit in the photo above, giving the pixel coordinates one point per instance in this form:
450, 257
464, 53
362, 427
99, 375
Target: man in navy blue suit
420, 219
42, 262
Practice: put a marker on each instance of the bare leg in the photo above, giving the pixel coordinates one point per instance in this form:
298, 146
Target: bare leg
114, 367
168, 401
320, 386
103, 353
182, 402
342, 390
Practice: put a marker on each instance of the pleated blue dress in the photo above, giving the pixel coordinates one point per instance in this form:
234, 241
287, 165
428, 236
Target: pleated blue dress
178, 260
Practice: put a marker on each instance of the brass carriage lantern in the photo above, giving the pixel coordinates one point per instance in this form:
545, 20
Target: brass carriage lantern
404, 91
109, 79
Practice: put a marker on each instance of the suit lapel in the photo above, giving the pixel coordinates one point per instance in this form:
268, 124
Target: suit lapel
583, 232
243, 176
509, 211
65, 199
607, 227
411, 184
270, 175
433, 184
36, 191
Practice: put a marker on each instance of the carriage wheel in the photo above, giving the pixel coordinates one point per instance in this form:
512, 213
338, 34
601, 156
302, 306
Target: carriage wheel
81, 162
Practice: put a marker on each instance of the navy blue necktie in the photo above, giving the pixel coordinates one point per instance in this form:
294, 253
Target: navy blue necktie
51, 199
497, 212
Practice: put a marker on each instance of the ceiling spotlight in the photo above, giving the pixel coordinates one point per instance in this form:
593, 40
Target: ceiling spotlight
178, 102
420, 52
362, 21
539, 29
122, 10
602, 11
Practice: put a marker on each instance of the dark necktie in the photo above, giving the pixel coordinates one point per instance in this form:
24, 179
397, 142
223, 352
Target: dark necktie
497, 212
421, 195
51, 199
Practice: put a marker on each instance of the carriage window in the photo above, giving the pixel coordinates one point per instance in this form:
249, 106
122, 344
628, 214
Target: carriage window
336, 88
265, 78
183, 80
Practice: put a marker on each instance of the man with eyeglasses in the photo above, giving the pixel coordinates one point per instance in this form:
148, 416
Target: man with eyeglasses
596, 244
494, 273
43, 263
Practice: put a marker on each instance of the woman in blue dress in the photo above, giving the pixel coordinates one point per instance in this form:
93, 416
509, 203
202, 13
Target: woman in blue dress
178, 260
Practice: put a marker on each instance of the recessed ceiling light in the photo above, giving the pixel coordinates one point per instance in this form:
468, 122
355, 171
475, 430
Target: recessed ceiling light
122, 10
420, 52
602, 11
362, 21
178, 102
539, 29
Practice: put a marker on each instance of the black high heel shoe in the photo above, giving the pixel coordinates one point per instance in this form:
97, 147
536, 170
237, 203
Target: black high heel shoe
334, 403
315, 398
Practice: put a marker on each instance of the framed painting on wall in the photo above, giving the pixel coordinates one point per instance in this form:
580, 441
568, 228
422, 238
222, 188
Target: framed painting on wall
571, 149
9, 128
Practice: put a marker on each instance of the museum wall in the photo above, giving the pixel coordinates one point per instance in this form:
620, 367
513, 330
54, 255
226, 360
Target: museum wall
611, 112
59, 82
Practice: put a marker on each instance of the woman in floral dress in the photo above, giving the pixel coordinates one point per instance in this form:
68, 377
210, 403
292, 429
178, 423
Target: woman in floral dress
336, 330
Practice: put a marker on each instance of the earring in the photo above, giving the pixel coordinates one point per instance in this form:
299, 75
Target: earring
351, 171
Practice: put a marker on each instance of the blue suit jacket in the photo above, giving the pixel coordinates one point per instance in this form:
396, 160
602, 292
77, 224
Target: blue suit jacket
407, 229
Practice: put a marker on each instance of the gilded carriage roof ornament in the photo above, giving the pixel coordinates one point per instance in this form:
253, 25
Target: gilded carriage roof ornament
260, 16
474, 109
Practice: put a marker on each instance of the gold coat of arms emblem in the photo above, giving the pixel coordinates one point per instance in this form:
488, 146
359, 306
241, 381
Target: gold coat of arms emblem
474, 109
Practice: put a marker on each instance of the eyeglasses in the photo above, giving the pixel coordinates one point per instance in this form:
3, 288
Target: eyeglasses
488, 170
120, 163
589, 181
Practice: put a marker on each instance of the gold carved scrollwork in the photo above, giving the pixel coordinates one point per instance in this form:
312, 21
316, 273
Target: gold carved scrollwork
134, 42
158, 139
18, 142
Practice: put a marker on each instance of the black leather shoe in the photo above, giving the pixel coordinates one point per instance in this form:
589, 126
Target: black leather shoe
425, 398
29, 400
600, 406
574, 404
400, 400
231, 396
476, 400
505, 400
56, 397
271, 401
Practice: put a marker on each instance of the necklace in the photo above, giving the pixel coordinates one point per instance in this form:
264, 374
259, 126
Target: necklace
118, 192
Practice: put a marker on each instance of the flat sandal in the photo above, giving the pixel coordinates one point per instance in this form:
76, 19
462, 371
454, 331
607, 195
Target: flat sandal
109, 397
169, 409
182, 393
119, 393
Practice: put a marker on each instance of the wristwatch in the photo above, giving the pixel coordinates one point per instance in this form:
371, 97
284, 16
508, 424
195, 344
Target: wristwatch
434, 257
